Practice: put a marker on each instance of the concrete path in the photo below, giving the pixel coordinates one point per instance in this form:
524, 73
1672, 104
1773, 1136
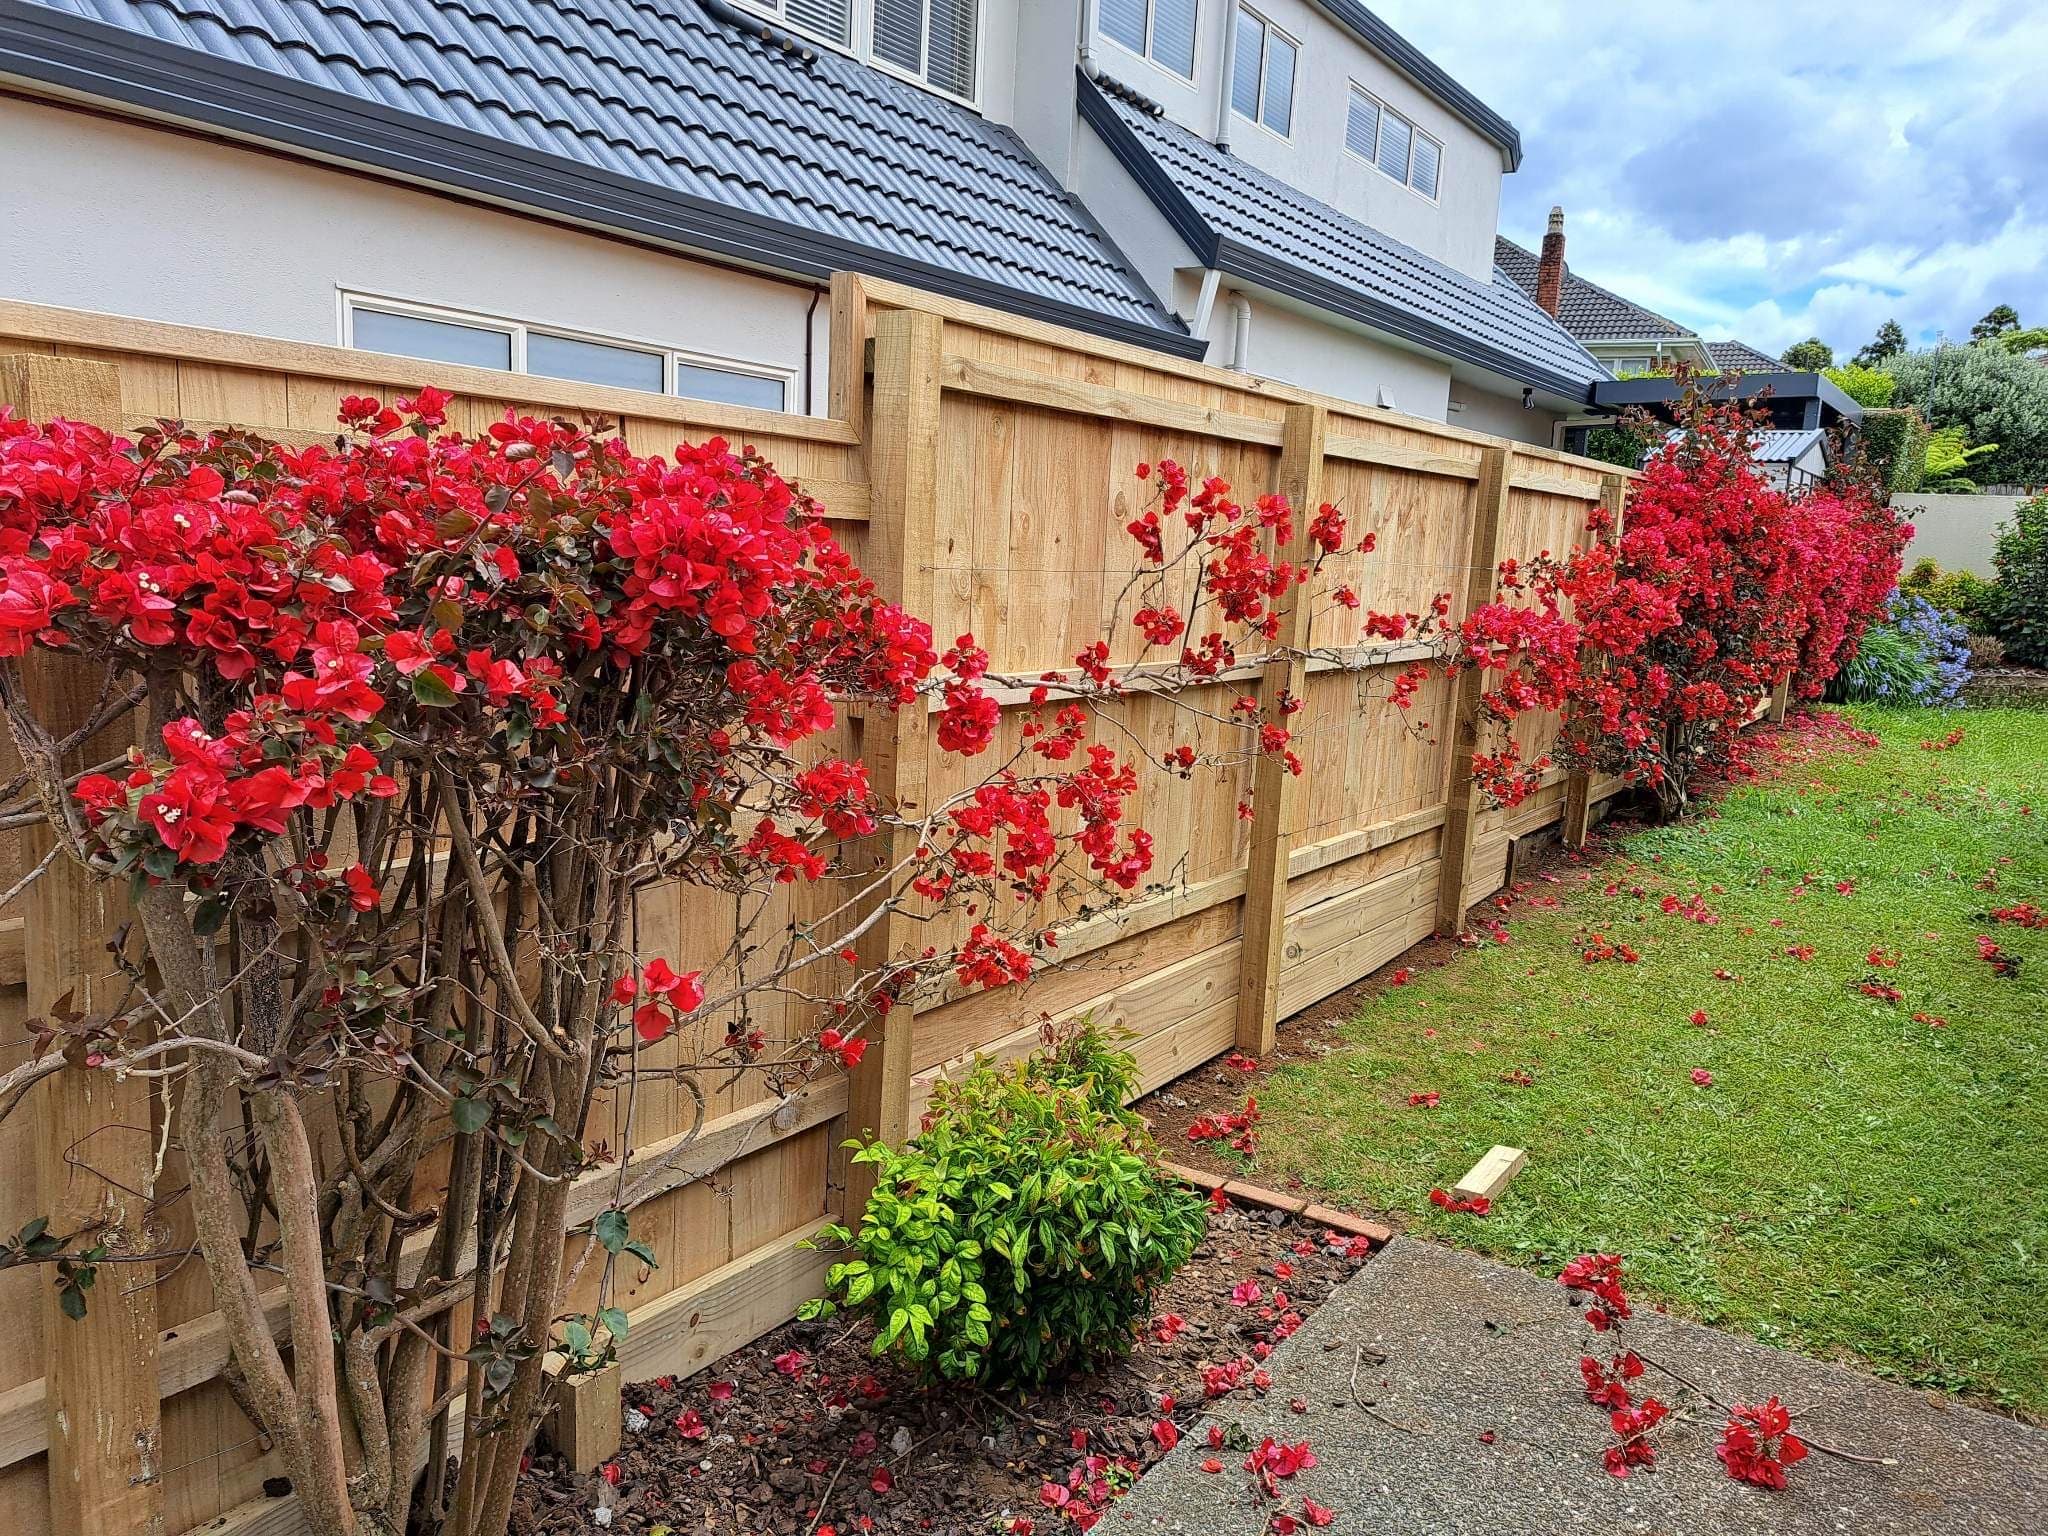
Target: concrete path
1473, 1347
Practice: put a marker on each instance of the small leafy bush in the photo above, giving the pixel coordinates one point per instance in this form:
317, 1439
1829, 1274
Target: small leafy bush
1919, 655
2019, 603
1948, 455
1025, 1231
1964, 595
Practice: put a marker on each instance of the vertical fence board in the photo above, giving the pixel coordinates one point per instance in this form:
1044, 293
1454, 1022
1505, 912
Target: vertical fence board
902, 528
1489, 512
1275, 801
94, 1149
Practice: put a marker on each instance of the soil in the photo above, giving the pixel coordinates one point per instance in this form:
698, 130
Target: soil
805, 1431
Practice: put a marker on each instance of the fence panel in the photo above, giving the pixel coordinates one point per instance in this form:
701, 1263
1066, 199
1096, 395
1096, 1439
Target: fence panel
985, 473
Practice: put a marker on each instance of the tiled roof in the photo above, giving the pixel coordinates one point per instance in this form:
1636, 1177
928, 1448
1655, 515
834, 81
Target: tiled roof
1741, 357
660, 118
1588, 311
1240, 220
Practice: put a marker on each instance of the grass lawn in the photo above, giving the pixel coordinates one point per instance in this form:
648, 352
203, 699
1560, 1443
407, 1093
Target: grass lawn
1852, 1182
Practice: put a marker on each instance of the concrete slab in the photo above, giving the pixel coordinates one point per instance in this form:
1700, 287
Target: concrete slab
1474, 1347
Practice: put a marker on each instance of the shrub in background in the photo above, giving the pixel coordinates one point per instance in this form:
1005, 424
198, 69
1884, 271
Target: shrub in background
1027, 1228
1993, 395
1871, 388
1964, 595
2019, 603
1895, 442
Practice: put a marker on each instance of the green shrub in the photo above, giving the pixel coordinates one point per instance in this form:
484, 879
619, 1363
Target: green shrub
2019, 602
1993, 395
1027, 1228
1895, 442
1871, 388
1962, 594
1889, 665
1618, 444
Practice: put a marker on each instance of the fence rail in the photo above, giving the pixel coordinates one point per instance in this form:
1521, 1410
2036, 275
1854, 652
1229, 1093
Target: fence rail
980, 468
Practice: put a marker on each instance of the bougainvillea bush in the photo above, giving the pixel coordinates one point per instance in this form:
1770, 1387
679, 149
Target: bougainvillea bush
1026, 1230
1655, 643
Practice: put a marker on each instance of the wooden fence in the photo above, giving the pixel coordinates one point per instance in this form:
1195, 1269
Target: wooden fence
980, 467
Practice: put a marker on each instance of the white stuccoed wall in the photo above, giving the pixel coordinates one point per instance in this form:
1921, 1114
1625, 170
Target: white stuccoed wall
1956, 532
123, 218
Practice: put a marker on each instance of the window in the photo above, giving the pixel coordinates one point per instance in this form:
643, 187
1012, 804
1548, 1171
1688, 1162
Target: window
934, 42
478, 341
1376, 132
1262, 83
1160, 30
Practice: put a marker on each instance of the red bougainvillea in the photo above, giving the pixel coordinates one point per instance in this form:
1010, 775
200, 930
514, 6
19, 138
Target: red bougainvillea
1656, 643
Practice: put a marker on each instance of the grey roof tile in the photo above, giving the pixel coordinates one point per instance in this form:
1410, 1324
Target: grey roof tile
1241, 220
655, 116
1741, 357
1587, 310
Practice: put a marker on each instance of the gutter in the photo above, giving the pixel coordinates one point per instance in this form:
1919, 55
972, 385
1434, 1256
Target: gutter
103, 63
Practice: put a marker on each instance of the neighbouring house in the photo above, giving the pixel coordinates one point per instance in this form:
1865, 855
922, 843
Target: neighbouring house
1807, 413
651, 193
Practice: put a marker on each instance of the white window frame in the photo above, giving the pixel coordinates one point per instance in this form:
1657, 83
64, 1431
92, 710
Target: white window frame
1268, 30
351, 300
1415, 132
1150, 57
861, 24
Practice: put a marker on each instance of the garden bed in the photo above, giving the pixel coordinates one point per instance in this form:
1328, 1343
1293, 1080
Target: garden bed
804, 1431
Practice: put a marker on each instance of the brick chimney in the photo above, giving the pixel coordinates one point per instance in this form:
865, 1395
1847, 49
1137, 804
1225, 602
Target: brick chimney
1550, 265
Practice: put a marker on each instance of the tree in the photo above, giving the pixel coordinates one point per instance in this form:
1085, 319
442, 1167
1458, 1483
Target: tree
1995, 323
1889, 342
1809, 356
1993, 396
422, 715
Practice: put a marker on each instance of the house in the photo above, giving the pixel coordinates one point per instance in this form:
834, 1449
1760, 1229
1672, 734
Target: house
1624, 335
1806, 412
652, 193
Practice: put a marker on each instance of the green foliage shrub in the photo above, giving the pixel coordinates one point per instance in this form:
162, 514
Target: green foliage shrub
1619, 443
1871, 388
1963, 594
1993, 396
1895, 442
1025, 1231
2019, 602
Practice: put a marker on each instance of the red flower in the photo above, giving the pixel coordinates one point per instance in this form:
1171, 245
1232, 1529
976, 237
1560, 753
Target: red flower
1757, 1444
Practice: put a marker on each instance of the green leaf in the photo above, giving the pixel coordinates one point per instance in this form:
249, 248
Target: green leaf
615, 1321
431, 689
469, 1115
612, 1230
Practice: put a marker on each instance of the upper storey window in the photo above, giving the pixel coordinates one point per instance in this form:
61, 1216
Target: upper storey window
931, 42
1161, 30
1262, 81
1376, 132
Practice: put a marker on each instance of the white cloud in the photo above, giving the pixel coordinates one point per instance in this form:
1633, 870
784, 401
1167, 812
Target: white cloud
1772, 171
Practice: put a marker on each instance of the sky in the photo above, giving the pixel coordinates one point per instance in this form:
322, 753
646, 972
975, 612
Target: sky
1771, 171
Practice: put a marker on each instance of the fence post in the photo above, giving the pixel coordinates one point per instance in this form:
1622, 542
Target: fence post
1578, 789
1461, 810
903, 469
1274, 801
94, 1150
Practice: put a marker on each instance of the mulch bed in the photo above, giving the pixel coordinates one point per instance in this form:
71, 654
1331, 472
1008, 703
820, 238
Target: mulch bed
804, 1431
